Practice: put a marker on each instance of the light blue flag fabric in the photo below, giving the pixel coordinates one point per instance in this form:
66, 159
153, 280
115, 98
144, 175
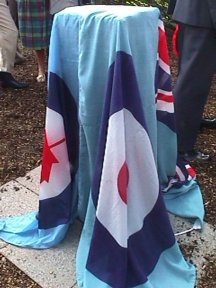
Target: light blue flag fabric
84, 45
127, 240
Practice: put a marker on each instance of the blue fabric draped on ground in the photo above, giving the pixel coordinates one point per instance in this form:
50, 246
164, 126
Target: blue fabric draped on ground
110, 154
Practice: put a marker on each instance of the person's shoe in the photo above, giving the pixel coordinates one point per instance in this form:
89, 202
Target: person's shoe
8, 81
208, 123
195, 155
41, 78
19, 60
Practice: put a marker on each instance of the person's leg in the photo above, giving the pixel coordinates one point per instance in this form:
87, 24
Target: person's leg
19, 58
197, 62
13, 10
42, 65
12, 4
8, 40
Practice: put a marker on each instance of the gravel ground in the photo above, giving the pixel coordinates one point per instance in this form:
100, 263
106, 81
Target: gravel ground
22, 115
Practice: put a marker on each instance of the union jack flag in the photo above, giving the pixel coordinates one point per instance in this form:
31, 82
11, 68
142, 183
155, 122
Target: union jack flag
163, 87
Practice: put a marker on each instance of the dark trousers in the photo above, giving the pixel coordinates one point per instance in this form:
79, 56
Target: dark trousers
171, 6
197, 63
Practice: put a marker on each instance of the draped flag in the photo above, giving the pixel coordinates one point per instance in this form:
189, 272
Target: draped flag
180, 190
58, 197
163, 88
132, 243
60, 157
122, 174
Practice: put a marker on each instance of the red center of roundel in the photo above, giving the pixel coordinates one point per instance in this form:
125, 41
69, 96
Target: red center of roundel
122, 182
48, 159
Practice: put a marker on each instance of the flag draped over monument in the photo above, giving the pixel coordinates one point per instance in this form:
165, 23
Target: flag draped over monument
109, 154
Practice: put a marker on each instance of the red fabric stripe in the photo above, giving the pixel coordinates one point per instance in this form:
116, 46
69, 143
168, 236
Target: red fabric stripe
174, 41
166, 98
163, 49
191, 172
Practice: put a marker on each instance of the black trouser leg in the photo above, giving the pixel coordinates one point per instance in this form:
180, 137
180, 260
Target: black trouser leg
197, 62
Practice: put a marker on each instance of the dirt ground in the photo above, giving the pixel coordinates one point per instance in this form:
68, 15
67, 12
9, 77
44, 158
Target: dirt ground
22, 115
